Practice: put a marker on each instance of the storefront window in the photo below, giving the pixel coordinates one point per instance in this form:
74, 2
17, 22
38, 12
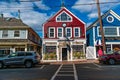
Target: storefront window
116, 47
78, 52
50, 53
108, 48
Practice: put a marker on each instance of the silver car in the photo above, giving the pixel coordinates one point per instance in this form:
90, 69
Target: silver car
28, 59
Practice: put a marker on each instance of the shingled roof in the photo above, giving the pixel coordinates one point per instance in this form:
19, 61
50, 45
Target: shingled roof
8, 22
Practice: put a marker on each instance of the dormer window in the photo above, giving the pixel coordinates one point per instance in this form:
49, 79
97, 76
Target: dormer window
64, 17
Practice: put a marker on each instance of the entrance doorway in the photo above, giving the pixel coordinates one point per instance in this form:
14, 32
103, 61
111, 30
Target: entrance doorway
64, 53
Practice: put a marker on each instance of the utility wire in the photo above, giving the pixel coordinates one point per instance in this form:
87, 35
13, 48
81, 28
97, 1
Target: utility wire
66, 5
28, 0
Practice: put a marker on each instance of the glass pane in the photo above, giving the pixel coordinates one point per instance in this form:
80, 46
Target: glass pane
110, 31
68, 32
63, 17
51, 32
16, 34
5, 33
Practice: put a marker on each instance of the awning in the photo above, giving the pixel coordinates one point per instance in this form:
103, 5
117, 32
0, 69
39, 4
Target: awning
98, 42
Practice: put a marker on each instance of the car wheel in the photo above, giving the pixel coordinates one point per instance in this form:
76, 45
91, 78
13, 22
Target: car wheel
28, 64
1, 65
111, 61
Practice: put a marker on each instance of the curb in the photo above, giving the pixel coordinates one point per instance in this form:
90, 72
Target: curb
71, 62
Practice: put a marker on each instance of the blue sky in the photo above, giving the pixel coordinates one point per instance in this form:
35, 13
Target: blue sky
36, 13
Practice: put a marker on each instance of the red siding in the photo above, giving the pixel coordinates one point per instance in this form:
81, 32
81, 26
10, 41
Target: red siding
75, 23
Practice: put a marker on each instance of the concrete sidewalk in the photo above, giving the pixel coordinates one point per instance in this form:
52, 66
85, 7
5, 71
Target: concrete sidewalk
73, 62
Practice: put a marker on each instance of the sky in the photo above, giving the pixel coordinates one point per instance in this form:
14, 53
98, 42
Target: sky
35, 12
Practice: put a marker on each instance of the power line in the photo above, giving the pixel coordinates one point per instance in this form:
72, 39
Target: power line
67, 5
28, 0
20, 0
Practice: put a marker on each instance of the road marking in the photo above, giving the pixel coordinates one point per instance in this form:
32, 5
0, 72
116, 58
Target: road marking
21, 69
42, 66
97, 65
56, 72
64, 69
65, 75
75, 72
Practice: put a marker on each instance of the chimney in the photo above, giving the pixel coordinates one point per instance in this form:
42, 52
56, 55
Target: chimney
1, 15
19, 14
62, 4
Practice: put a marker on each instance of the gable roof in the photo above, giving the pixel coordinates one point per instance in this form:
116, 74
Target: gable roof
10, 22
103, 16
116, 9
63, 9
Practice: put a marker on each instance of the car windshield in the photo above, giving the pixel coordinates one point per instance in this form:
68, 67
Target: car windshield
110, 52
12, 55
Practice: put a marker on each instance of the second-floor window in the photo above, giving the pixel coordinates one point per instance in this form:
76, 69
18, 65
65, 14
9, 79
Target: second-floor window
76, 32
5, 33
68, 32
16, 33
109, 31
51, 32
60, 32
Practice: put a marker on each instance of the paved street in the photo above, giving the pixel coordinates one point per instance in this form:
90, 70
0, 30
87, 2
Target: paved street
83, 71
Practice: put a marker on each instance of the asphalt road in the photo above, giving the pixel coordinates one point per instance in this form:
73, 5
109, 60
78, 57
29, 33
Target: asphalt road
83, 71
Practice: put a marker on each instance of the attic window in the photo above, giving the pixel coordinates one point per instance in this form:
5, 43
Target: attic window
110, 19
64, 17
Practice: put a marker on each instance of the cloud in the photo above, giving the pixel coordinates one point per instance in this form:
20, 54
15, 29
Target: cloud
82, 8
42, 6
93, 15
29, 16
34, 19
89, 8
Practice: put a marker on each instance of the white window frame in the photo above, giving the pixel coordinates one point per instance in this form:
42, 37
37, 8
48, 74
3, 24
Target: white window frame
18, 33
78, 31
66, 31
49, 32
58, 32
64, 21
4, 33
108, 35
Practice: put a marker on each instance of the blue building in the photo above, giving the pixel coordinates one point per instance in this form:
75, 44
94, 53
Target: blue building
111, 27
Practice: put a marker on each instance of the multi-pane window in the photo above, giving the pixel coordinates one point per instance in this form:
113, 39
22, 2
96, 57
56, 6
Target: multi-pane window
110, 31
68, 32
16, 33
77, 32
60, 32
64, 17
51, 32
5, 33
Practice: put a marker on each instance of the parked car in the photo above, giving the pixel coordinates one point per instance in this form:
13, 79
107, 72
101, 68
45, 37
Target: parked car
110, 58
28, 59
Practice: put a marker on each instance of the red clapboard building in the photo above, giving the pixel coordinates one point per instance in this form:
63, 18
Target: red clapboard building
64, 37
